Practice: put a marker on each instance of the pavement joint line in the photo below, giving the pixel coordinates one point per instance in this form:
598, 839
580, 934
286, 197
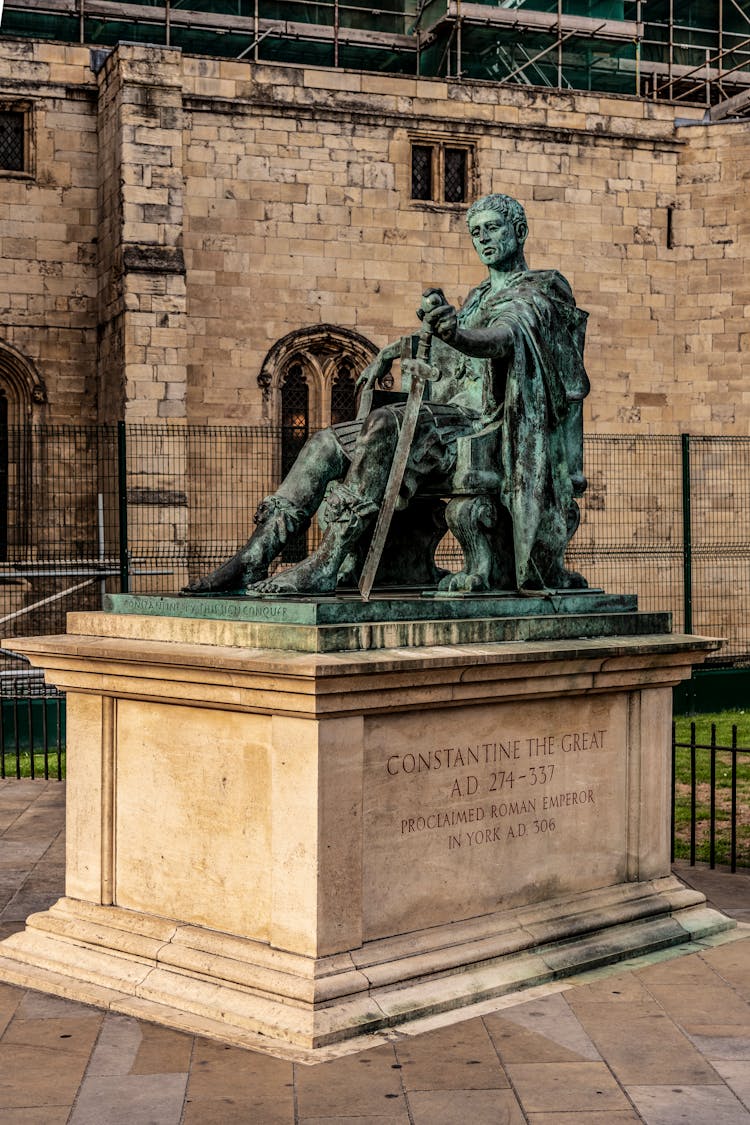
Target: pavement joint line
726, 973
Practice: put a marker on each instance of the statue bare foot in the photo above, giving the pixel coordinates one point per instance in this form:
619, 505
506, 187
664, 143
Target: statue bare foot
276, 519
311, 576
234, 574
462, 582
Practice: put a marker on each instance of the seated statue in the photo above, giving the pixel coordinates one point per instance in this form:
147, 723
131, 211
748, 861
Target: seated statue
506, 370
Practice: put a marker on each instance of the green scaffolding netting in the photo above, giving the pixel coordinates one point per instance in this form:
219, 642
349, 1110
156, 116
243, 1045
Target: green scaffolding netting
358, 35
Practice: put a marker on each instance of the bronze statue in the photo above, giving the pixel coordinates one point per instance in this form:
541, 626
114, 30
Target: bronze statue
498, 436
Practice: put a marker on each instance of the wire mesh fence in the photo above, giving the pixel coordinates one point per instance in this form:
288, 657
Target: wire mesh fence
630, 539
59, 528
88, 510
720, 539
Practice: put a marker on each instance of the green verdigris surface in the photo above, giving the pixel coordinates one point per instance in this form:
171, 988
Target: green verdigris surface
496, 454
348, 624
350, 609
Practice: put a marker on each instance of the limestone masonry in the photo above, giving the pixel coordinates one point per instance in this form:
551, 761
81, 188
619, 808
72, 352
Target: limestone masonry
180, 216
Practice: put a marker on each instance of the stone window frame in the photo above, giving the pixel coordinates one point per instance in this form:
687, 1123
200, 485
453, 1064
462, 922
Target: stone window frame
316, 355
439, 142
321, 350
27, 108
24, 403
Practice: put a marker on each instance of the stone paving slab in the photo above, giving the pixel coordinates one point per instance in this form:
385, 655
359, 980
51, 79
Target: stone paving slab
661, 1039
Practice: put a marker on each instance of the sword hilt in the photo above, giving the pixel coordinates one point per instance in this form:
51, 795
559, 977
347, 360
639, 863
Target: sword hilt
424, 344
432, 298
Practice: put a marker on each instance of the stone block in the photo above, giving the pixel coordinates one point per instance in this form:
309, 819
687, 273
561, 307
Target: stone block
307, 847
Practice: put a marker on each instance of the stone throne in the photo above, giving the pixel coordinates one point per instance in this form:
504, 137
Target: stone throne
468, 504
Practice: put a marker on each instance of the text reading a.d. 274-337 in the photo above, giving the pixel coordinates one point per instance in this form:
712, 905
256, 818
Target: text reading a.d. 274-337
498, 792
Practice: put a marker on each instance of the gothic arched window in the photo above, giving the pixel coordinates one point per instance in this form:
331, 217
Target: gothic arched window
295, 425
22, 396
4, 459
308, 380
295, 415
313, 372
343, 397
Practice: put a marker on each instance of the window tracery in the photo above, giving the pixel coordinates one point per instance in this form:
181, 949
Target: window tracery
22, 397
308, 381
314, 371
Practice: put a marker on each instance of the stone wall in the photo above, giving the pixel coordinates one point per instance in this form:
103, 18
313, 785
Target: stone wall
712, 306
48, 228
306, 185
142, 290
183, 214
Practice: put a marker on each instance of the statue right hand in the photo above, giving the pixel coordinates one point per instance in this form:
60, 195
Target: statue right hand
376, 371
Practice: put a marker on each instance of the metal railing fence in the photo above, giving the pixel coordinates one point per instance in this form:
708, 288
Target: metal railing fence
32, 722
710, 800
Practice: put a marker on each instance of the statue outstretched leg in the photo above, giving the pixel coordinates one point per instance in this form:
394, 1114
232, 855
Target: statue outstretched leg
280, 516
351, 507
276, 520
348, 515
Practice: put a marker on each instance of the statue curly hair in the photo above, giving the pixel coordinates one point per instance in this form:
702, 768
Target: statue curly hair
506, 206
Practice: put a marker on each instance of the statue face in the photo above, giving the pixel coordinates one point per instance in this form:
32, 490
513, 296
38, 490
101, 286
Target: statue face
494, 237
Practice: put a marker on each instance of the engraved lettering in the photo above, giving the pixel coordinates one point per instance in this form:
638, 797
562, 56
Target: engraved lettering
467, 789
514, 776
563, 800
577, 741
541, 746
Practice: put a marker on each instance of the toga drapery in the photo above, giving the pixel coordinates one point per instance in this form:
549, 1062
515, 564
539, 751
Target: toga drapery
532, 395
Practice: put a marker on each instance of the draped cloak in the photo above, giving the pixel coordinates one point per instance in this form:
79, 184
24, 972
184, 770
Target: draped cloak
536, 391
532, 397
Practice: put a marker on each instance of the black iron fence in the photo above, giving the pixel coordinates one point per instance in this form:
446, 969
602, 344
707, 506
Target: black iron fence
711, 798
32, 724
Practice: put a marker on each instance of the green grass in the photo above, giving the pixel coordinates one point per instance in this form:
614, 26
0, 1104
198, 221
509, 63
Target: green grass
724, 722
24, 762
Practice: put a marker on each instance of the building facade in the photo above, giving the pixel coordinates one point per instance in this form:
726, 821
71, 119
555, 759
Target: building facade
188, 236
189, 241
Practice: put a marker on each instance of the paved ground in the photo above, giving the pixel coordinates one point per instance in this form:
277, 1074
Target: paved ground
665, 1041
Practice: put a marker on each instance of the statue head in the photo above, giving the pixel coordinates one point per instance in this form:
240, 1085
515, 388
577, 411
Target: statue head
506, 206
511, 211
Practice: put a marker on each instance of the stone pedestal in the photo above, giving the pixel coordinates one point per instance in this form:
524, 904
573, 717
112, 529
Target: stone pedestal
307, 846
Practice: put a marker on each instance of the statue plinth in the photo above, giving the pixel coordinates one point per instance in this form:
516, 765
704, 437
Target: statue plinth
349, 624
288, 849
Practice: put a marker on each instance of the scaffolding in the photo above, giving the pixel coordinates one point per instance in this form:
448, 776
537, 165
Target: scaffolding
690, 51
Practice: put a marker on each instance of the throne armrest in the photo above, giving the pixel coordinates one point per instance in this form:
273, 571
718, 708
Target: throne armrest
477, 470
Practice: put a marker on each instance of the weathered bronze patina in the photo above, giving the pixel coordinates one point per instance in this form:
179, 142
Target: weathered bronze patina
496, 450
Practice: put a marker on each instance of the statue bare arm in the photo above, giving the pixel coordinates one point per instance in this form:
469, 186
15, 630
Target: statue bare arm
483, 343
380, 366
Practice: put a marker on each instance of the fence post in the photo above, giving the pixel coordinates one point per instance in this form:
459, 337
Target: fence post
122, 504
687, 537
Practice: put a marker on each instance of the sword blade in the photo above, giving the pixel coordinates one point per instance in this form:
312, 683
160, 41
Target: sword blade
393, 485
